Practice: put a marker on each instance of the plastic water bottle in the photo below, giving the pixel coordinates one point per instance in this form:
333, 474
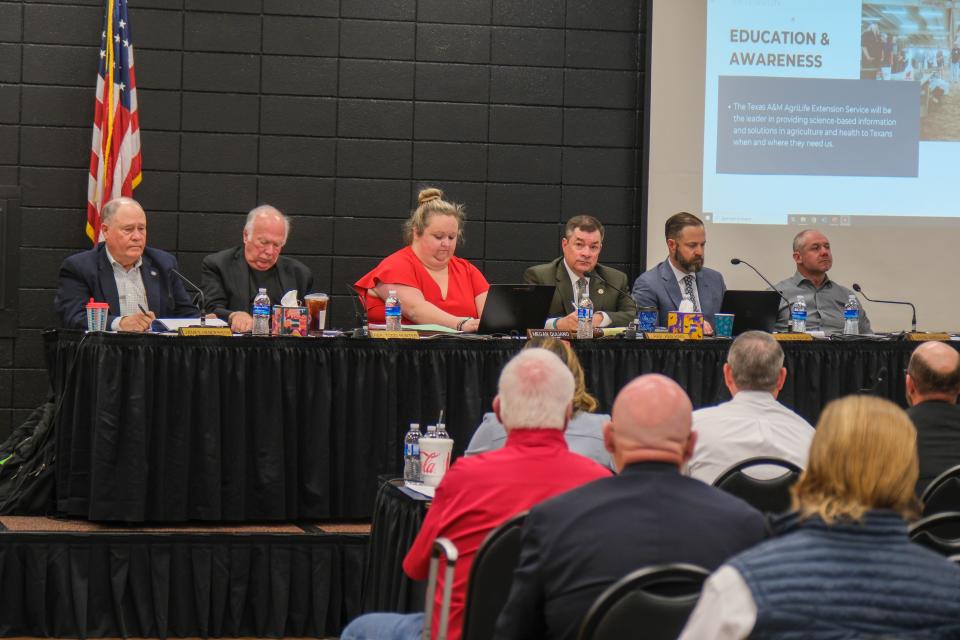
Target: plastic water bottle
585, 317
411, 454
442, 430
391, 312
431, 431
851, 316
261, 313
798, 315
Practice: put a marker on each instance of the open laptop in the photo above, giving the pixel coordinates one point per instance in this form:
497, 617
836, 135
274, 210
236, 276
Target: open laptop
515, 307
751, 309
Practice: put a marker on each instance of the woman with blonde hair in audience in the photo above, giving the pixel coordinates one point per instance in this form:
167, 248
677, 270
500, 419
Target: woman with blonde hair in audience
842, 565
433, 285
584, 433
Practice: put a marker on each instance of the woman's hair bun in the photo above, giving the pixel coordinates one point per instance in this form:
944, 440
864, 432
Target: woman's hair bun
427, 195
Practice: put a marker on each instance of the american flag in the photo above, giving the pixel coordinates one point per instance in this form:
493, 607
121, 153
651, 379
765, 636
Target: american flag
115, 154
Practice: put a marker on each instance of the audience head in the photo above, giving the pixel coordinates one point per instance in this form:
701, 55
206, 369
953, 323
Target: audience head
264, 235
651, 421
754, 363
581, 243
686, 241
811, 253
535, 391
863, 456
933, 374
582, 400
123, 225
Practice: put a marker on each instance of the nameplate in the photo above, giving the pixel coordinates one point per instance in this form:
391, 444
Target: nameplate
193, 332
559, 334
395, 335
918, 336
651, 335
792, 337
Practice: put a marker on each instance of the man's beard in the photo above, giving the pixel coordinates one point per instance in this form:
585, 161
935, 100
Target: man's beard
693, 266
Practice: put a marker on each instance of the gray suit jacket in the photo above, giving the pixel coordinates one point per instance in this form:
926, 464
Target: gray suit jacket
619, 306
658, 288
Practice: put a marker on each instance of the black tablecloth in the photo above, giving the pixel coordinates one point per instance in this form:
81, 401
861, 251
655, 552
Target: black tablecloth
397, 517
157, 428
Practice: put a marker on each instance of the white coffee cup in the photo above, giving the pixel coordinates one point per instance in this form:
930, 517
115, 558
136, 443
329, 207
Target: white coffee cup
434, 459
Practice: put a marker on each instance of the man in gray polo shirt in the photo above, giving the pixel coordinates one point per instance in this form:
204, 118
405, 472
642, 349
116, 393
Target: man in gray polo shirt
825, 298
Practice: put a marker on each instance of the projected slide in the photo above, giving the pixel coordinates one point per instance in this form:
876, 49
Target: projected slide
831, 112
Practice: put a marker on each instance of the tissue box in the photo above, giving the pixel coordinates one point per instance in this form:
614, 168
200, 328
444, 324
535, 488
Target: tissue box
290, 321
689, 323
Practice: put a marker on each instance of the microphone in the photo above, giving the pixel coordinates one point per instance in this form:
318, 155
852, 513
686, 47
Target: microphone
202, 307
875, 389
736, 261
913, 320
359, 313
594, 274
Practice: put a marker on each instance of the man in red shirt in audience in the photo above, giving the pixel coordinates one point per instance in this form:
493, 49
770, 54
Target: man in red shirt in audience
481, 492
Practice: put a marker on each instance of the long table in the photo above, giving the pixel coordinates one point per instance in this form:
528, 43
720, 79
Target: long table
164, 429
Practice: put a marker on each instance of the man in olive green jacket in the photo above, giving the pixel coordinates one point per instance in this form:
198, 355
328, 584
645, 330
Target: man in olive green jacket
577, 269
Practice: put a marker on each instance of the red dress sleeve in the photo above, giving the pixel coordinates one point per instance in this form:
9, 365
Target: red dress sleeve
464, 284
397, 268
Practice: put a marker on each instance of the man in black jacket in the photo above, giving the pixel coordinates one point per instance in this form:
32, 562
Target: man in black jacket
933, 382
579, 543
232, 277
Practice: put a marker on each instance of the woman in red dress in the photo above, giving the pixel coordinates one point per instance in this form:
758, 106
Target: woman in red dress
434, 286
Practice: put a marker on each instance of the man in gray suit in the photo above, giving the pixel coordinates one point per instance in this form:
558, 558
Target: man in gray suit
682, 274
577, 267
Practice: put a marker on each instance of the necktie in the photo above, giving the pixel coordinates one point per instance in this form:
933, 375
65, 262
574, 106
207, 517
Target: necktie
688, 290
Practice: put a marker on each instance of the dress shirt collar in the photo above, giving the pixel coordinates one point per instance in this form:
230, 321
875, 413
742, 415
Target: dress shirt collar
113, 262
533, 437
755, 398
573, 275
798, 279
652, 466
677, 273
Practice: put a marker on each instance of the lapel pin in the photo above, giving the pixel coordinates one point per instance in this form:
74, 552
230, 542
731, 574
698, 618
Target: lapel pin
153, 272
599, 292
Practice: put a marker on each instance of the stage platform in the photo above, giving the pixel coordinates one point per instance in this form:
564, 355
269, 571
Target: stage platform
73, 578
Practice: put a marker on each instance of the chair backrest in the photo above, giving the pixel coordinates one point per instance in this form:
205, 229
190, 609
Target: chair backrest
943, 494
650, 603
491, 576
939, 532
768, 496
446, 548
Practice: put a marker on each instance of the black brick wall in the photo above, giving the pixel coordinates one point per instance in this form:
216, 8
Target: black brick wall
336, 111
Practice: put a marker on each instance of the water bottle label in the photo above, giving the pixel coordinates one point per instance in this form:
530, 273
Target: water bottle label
799, 315
851, 314
392, 312
261, 310
416, 450
583, 313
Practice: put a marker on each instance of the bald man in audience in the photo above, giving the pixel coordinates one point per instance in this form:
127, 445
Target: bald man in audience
753, 423
933, 382
479, 493
579, 543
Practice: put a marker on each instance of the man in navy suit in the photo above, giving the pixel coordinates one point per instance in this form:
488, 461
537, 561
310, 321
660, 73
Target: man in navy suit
122, 271
682, 274
577, 544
